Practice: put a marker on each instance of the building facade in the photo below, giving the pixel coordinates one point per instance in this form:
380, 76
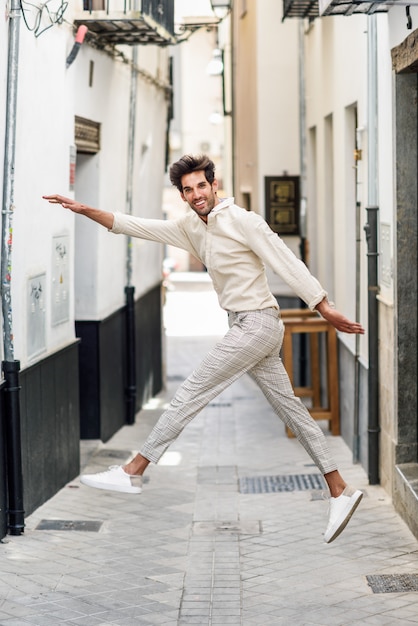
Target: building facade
325, 93
88, 118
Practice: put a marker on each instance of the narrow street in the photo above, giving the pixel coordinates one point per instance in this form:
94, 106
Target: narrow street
228, 529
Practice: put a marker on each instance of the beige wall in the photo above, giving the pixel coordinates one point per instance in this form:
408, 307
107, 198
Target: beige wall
245, 105
388, 414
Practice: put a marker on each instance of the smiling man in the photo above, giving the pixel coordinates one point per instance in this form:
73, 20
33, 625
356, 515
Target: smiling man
235, 245
199, 194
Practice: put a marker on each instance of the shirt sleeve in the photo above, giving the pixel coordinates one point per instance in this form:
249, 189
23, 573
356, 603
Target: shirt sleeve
163, 231
275, 253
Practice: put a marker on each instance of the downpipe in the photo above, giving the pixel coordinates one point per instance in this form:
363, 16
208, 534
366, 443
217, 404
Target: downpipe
130, 387
371, 229
356, 425
373, 336
15, 509
11, 367
303, 360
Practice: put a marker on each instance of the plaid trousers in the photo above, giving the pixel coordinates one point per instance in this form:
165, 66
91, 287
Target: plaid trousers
251, 345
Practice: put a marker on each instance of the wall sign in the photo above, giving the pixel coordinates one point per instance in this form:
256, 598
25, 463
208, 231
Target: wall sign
282, 204
60, 305
36, 337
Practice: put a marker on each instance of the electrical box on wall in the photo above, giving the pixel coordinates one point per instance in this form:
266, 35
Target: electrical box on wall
60, 307
36, 315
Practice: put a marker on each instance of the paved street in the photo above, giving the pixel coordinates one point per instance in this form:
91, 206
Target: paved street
209, 541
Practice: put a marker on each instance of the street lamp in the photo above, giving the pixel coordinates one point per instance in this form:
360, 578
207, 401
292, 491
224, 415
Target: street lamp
216, 65
221, 7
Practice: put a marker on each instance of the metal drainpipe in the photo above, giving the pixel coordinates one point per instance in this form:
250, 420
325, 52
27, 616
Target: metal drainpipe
373, 377
10, 366
356, 424
371, 229
130, 389
302, 209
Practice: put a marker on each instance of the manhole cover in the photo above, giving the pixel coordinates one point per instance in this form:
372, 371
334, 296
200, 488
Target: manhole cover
273, 484
391, 583
62, 524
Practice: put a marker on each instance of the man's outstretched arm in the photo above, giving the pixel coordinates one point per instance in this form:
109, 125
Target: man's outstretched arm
101, 217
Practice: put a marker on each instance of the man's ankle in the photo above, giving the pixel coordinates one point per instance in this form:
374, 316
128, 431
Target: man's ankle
137, 466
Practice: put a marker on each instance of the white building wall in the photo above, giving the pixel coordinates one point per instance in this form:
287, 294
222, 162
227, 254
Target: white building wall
278, 93
277, 122
49, 97
336, 80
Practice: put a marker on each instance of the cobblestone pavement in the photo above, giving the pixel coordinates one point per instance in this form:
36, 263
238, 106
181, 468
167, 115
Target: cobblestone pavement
209, 541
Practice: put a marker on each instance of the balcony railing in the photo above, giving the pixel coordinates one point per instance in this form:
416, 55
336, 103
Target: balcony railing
128, 22
351, 7
317, 8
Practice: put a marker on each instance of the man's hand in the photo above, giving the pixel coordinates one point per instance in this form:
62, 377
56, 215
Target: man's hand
67, 203
101, 217
339, 321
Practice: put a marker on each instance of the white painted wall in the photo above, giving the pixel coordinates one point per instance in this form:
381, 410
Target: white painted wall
336, 86
49, 96
336, 58
277, 91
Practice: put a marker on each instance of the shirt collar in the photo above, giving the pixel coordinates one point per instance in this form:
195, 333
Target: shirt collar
225, 202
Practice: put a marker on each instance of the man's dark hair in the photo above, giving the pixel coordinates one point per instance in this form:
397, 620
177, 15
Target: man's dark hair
189, 163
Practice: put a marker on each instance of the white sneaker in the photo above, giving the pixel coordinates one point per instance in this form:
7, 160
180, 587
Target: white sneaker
340, 511
114, 479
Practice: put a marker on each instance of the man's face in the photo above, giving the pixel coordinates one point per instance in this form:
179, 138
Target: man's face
199, 194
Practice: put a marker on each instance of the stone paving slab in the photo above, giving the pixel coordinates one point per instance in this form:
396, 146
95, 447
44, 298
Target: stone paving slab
193, 549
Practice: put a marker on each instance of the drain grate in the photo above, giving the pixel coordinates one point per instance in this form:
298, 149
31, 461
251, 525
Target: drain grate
227, 528
113, 454
392, 583
61, 524
213, 405
274, 484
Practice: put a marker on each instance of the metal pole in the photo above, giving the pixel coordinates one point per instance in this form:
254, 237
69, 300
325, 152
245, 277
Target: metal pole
371, 234
303, 192
10, 366
130, 389
15, 509
302, 135
373, 332
356, 425
8, 180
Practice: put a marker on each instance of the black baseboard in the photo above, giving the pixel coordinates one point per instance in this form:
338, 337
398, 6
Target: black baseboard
50, 426
149, 346
3, 475
103, 366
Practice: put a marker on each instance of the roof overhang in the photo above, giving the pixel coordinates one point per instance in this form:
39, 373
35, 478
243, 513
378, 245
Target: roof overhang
352, 7
321, 8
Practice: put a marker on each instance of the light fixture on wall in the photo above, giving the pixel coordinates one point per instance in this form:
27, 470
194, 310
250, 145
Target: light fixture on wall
221, 8
216, 118
215, 66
